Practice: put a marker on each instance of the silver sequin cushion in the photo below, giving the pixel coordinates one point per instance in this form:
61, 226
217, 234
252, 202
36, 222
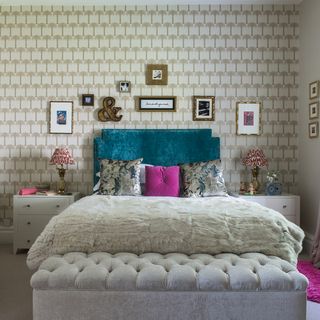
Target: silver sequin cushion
202, 179
120, 177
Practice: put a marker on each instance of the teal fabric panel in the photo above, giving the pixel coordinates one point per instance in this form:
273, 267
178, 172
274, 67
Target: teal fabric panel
165, 147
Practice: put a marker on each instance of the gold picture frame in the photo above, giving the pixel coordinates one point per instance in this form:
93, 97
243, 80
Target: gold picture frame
61, 117
248, 118
157, 74
313, 129
314, 90
156, 104
203, 108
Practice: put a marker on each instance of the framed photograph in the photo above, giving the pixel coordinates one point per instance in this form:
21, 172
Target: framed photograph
203, 108
124, 86
314, 110
248, 116
156, 104
157, 74
313, 129
314, 90
88, 100
61, 117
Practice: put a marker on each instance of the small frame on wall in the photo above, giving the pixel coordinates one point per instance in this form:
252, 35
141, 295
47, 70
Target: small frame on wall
88, 100
314, 90
157, 74
124, 86
203, 108
313, 129
314, 110
156, 104
248, 116
61, 117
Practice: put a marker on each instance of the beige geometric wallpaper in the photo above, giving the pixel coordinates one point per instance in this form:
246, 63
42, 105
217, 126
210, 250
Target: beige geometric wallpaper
58, 53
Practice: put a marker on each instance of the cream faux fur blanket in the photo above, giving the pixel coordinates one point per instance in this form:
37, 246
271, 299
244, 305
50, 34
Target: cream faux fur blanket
157, 224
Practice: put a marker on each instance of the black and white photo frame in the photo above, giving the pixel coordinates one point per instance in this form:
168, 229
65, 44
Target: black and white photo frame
124, 86
87, 100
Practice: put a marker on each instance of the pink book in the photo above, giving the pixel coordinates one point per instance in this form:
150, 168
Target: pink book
27, 191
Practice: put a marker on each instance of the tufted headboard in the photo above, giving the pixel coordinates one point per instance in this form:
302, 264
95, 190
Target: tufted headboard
164, 147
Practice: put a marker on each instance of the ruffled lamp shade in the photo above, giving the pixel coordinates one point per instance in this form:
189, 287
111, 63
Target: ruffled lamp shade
60, 157
255, 159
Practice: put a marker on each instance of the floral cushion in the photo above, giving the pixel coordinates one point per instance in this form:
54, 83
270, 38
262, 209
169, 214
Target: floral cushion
119, 177
202, 179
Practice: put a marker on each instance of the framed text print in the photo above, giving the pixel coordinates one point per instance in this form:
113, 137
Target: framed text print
248, 118
157, 104
61, 117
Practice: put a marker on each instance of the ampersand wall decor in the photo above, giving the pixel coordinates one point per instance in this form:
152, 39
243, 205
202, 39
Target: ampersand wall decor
109, 112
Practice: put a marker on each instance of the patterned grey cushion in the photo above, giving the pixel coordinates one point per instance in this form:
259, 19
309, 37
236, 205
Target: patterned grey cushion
202, 179
119, 177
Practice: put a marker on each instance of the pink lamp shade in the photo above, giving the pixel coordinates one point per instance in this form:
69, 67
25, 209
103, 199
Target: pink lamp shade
61, 156
255, 158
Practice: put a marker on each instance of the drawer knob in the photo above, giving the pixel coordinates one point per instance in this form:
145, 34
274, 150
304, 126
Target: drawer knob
28, 222
58, 205
284, 206
28, 241
28, 206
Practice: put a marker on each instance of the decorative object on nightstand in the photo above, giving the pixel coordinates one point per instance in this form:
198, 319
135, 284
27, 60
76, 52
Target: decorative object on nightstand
255, 159
60, 157
273, 186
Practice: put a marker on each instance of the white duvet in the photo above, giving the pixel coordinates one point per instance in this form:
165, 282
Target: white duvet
161, 224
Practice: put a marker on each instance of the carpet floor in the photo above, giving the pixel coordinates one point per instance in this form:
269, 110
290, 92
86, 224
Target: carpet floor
313, 275
16, 294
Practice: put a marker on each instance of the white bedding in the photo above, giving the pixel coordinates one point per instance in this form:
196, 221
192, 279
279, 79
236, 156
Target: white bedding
162, 224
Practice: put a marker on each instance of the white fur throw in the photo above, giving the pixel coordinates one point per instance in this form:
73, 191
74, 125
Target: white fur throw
156, 224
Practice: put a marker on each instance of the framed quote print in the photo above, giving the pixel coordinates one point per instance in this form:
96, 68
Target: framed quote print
248, 116
61, 117
156, 104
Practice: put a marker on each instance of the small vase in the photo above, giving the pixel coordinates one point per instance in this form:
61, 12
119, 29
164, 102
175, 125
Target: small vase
254, 180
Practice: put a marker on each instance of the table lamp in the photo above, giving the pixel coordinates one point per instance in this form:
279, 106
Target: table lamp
255, 159
60, 157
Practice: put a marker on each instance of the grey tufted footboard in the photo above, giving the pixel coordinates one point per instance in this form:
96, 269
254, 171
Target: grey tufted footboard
175, 286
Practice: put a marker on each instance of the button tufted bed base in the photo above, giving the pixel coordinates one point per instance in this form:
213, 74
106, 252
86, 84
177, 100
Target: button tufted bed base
175, 286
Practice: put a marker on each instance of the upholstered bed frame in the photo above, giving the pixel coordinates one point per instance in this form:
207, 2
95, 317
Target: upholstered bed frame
244, 288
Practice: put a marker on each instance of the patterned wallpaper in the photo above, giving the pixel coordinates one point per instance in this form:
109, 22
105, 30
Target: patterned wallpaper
58, 53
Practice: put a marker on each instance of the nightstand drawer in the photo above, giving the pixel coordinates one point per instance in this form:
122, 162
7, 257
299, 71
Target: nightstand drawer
32, 223
285, 206
40, 205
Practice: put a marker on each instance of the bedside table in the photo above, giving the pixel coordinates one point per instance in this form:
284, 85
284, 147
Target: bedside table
32, 213
286, 204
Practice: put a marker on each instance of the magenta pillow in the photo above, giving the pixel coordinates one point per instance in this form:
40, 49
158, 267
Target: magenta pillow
162, 181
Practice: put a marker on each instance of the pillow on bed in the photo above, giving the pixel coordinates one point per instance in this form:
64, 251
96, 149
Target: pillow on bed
202, 179
119, 177
162, 181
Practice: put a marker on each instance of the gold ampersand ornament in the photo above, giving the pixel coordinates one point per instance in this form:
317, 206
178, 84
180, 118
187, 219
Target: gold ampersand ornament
109, 112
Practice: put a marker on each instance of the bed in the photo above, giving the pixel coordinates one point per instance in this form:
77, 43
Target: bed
124, 257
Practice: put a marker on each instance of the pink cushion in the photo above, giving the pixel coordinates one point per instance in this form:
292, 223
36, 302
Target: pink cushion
162, 181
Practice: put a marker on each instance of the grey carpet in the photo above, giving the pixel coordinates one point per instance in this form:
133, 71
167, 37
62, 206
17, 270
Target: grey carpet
16, 294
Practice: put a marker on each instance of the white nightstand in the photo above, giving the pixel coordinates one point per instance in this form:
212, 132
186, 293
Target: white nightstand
32, 213
287, 204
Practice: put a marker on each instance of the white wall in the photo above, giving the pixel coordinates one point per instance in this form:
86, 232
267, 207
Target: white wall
309, 149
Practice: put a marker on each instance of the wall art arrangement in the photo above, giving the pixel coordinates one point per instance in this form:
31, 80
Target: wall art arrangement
156, 104
248, 118
203, 108
88, 100
109, 112
314, 109
61, 117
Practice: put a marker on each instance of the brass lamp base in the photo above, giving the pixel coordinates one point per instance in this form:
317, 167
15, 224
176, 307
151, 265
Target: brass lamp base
61, 182
254, 180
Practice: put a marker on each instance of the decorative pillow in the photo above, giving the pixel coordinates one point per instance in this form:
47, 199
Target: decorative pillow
119, 177
202, 179
162, 181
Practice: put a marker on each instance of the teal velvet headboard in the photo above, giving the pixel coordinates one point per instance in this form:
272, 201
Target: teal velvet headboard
164, 147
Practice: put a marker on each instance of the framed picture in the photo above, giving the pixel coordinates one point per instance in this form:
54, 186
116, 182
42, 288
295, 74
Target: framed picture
157, 104
248, 118
124, 86
61, 117
313, 129
88, 100
157, 74
314, 90
314, 110
203, 108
